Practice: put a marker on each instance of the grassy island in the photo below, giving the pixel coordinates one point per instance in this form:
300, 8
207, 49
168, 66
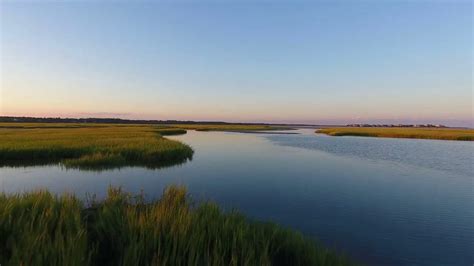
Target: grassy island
414, 133
101, 146
39, 228
93, 146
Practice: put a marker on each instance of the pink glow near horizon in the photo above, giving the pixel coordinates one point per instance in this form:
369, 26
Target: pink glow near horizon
467, 122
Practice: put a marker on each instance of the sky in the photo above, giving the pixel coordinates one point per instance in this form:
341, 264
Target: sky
321, 62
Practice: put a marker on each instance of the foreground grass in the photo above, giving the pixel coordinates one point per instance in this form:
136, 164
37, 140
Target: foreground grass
415, 133
39, 228
91, 146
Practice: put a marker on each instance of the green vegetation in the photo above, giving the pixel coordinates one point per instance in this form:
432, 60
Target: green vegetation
88, 146
38, 228
100, 146
414, 133
55, 125
171, 131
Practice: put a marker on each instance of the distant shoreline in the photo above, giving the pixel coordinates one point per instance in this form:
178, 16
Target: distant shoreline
402, 132
26, 119
95, 120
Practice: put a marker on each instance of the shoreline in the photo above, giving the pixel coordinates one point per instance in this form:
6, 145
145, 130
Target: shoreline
404, 133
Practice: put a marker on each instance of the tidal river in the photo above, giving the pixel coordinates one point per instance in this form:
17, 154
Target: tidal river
381, 201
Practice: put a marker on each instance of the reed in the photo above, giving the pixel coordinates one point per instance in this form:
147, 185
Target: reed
38, 228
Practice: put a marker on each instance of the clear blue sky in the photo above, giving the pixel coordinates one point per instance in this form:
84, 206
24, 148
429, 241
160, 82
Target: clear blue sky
313, 62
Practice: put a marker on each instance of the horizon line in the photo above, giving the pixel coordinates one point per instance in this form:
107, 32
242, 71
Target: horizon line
212, 121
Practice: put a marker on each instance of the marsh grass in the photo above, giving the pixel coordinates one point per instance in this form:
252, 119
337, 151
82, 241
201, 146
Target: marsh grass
92, 147
14, 125
171, 131
415, 133
38, 228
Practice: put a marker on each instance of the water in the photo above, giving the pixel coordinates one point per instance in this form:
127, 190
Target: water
381, 201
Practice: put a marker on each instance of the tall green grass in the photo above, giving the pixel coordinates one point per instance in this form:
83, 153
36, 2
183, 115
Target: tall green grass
38, 228
93, 147
414, 133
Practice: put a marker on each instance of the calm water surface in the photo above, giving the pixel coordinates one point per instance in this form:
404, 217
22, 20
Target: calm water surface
382, 201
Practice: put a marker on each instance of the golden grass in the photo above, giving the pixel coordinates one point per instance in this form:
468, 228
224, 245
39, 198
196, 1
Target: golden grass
414, 133
91, 146
57, 125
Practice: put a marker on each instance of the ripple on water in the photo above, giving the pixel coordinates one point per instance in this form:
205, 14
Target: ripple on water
451, 156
